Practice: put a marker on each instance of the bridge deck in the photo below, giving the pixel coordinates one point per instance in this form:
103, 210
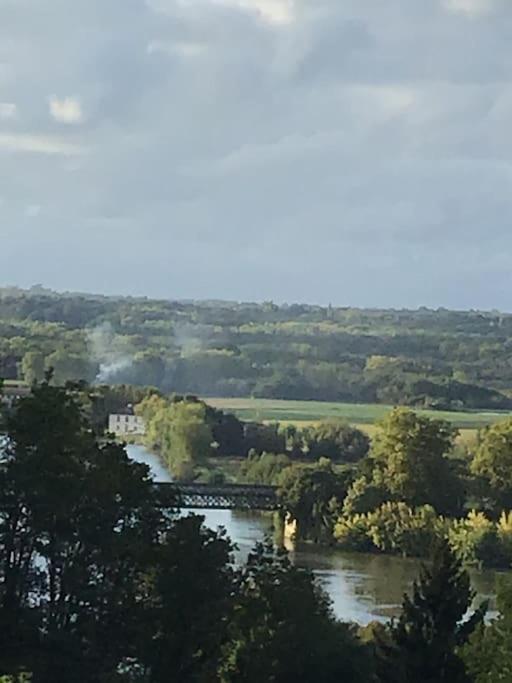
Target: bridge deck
217, 497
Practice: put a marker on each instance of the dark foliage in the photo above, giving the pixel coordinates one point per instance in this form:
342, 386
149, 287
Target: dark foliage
422, 646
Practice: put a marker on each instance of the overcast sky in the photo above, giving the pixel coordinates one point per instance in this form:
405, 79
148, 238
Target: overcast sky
348, 151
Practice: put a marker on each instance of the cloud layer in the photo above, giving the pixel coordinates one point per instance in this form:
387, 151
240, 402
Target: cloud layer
356, 152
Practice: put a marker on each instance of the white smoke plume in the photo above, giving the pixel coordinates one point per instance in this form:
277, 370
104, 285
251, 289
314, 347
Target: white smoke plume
107, 352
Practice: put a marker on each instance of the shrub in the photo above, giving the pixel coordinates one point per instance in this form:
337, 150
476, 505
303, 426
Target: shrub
477, 541
504, 528
363, 496
262, 469
393, 528
397, 528
352, 534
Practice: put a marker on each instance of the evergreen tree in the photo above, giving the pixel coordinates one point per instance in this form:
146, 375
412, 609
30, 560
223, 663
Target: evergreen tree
488, 654
283, 629
422, 645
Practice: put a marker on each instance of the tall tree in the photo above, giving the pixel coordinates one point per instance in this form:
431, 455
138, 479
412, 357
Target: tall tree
312, 496
190, 438
336, 440
493, 463
33, 367
77, 521
409, 460
283, 629
422, 645
190, 603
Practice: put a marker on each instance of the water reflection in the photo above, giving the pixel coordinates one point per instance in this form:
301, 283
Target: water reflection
371, 587
157, 469
362, 587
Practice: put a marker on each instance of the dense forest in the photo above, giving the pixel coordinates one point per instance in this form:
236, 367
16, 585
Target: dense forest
441, 358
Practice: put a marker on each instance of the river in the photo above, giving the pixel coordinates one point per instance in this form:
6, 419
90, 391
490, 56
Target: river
363, 587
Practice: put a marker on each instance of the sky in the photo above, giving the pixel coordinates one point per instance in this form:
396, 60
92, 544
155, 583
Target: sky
357, 152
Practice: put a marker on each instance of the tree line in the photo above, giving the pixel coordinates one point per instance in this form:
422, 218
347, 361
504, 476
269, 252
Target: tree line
98, 584
186, 432
412, 489
438, 359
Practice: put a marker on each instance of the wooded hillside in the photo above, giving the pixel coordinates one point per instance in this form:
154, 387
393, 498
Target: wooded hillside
444, 359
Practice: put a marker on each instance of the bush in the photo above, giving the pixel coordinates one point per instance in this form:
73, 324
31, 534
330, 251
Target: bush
393, 528
504, 528
262, 469
336, 440
352, 534
478, 541
396, 529
364, 496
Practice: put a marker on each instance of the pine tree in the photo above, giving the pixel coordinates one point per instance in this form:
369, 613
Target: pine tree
422, 645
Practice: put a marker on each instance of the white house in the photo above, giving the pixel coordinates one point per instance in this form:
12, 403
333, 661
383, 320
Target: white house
126, 424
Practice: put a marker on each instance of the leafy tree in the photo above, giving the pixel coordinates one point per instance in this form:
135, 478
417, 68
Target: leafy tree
392, 528
422, 646
33, 367
263, 438
69, 366
312, 496
493, 463
189, 437
364, 495
76, 522
409, 461
190, 603
228, 433
179, 431
283, 629
293, 440
262, 469
336, 440
477, 541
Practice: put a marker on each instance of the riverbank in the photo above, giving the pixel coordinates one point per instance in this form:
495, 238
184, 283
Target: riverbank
363, 587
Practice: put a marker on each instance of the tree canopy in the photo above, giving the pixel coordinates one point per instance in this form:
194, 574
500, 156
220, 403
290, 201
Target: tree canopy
439, 359
422, 646
493, 463
409, 460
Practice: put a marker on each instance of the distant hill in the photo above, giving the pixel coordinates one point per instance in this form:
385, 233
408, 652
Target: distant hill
429, 358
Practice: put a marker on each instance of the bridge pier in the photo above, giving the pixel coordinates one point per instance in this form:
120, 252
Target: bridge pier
285, 530
290, 527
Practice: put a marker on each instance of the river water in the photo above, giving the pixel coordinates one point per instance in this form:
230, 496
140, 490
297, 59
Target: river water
363, 587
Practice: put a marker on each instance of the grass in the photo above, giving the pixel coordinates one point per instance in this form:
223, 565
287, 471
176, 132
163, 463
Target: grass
365, 414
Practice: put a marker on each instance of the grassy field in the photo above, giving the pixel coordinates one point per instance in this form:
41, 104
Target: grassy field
269, 410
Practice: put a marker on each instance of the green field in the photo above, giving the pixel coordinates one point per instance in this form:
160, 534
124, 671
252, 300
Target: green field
266, 410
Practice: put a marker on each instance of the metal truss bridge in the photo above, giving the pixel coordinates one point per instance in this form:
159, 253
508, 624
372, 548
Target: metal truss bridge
217, 497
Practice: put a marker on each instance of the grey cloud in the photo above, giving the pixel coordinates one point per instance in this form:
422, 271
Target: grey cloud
356, 153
